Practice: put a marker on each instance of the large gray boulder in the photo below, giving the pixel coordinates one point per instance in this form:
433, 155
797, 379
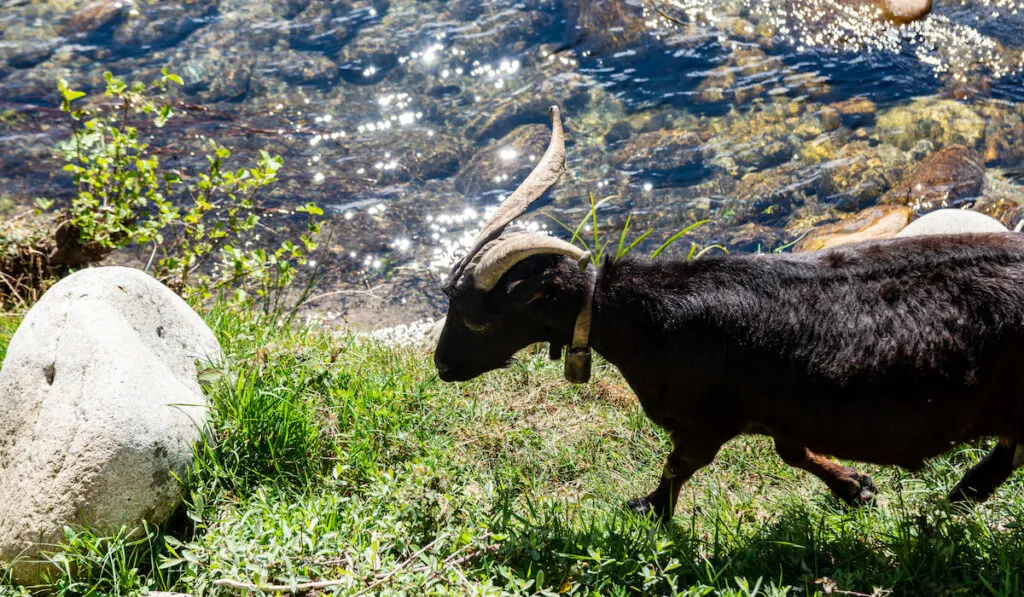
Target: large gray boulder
99, 410
952, 221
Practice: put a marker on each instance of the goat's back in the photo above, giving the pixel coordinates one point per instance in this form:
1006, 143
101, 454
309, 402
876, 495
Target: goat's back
913, 310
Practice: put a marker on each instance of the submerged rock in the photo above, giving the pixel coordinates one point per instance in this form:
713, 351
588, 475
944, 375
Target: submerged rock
769, 196
1002, 199
607, 26
99, 411
163, 23
505, 162
945, 178
859, 174
1004, 130
217, 63
671, 156
856, 111
303, 68
327, 25
944, 121
93, 15
874, 223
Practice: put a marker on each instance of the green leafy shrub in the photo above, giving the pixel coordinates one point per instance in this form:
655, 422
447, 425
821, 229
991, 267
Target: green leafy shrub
199, 224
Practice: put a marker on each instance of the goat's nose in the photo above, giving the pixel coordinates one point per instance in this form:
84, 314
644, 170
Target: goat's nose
442, 369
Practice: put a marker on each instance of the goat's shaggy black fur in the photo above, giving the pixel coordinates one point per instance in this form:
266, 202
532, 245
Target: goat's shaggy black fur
886, 352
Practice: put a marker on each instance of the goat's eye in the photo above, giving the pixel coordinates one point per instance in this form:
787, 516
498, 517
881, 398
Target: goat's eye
477, 327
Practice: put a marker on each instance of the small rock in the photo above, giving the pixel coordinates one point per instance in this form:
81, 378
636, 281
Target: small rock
303, 68
830, 118
99, 411
952, 221
752, 237
763, 152
217, 63
856, 111
822, 149
93, 15
566, 89
944, 179
620, 131
905, 11
874, 223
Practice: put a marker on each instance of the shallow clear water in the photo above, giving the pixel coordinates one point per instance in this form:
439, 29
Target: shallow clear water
408, 120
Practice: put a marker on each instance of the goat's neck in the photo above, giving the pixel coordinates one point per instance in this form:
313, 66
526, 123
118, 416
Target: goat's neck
627, 300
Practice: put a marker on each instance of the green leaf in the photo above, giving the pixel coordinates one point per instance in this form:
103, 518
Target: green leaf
677, 236
311, 208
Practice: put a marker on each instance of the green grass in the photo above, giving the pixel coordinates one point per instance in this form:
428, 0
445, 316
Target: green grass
338, 460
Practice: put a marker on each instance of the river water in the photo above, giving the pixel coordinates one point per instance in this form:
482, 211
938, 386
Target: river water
407, 120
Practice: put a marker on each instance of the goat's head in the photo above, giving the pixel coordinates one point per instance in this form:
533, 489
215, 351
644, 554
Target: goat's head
494, 291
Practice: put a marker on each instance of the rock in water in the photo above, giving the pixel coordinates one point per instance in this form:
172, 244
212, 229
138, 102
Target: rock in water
99, 409
905, 11
875, 223
946, 178
952, 221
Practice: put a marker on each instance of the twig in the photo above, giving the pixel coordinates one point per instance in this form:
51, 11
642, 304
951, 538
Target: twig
395, 570
477, 553
305, 586
668, 17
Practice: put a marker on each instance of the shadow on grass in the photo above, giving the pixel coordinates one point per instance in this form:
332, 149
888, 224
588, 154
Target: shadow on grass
807, 547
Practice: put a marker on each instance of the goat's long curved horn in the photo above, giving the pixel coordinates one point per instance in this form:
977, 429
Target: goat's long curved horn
508, 252
544, 175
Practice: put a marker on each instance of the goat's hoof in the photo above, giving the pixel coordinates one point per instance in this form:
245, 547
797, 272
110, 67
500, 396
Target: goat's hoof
640, 505
965, 494
863, 493
645, 507
867, 490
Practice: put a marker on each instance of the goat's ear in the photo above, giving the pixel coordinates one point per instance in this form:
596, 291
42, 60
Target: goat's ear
522, 292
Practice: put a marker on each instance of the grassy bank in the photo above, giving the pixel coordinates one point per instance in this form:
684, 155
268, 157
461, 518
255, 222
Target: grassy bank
339, 460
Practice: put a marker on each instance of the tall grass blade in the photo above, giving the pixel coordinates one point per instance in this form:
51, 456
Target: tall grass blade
677, 236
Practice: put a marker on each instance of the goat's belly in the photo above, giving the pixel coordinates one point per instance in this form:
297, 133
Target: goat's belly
904, 433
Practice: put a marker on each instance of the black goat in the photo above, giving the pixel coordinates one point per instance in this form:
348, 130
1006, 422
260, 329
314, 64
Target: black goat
886, 352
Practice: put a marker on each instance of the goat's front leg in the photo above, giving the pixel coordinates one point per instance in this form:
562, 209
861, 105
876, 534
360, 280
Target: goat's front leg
689, 454
845, 482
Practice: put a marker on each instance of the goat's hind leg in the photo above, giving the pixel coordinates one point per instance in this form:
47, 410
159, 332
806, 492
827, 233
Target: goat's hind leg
845, 482
987, 475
